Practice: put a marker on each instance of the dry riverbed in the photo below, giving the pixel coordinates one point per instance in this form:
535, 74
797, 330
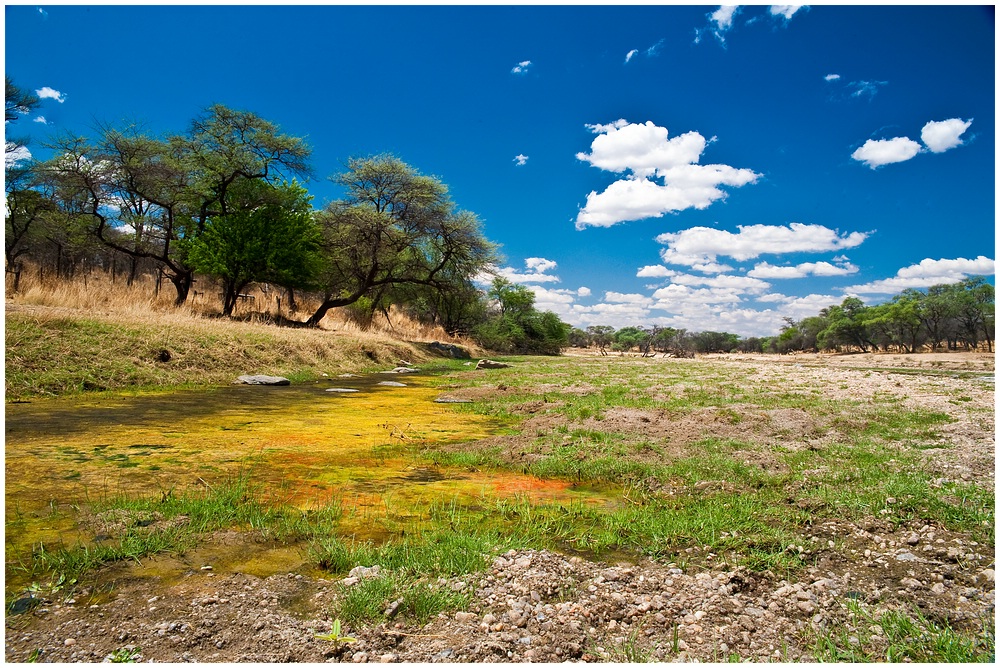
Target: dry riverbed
542, 605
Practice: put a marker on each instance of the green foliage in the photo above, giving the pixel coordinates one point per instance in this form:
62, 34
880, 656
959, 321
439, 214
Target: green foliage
125, 655
516, 327
334, 635
394, 227
268, 235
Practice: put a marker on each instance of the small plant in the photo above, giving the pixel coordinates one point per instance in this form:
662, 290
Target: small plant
125, 655
334, 635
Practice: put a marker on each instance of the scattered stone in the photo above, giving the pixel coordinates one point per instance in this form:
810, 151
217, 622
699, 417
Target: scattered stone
452, 400
342, 390
490, 364
391, 383
263, 380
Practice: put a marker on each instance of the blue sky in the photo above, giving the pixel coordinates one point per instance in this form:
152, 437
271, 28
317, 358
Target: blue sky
697, 167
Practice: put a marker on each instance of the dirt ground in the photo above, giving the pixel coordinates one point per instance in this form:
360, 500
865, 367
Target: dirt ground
548, 607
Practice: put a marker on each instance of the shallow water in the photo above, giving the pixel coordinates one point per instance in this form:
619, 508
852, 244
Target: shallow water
307, 446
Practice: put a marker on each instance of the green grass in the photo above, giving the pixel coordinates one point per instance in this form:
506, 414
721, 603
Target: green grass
174, 524
55, 355
408, 573
905, 636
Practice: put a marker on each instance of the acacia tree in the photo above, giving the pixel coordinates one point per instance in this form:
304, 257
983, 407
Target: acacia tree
268, 235
150, 198
394, 227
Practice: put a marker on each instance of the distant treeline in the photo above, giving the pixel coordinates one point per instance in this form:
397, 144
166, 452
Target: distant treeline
954, 316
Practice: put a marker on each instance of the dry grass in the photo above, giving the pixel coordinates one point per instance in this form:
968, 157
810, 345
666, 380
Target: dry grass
93, 334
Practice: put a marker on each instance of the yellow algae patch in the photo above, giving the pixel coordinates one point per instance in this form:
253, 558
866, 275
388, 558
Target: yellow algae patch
307, 447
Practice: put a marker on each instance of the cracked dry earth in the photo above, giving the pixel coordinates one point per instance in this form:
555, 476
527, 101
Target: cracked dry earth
532, 605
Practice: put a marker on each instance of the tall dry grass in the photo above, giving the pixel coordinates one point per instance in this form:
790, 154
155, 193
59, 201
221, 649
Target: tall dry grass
67, 336
98, 293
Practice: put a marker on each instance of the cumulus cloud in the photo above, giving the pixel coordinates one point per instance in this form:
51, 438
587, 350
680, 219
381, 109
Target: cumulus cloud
832, 77
928, 272
878, 152
521, 67
583, 291
703, 245
740, 284
622, 298
662, 174
655, 271
540, 264
520, 159
46, 93
766, 270
939, 136
16, 155
536, 268
630, 54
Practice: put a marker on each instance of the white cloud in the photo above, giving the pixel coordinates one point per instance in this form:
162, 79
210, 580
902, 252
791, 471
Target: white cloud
655, 271
648, 152
939, 136
719, 23
540, 264
520, 159
766, 270
622, 298
521, 67
583, 291
655, 49
785, 11
831, 77
704, 244
741, 284
16, 156
536, 266
630, 54
878, 152
723, 17
50, 93
865, 88
40, 119
928, 272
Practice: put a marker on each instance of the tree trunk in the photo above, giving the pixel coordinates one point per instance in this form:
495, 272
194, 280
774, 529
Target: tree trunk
182, 284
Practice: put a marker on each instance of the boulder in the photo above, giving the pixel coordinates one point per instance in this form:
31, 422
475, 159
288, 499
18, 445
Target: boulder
490, 364
263, 380
450, 350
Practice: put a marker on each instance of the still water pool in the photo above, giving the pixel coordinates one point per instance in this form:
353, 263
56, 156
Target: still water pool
307, 446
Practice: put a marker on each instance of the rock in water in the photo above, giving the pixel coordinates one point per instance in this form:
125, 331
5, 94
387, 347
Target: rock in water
263, 380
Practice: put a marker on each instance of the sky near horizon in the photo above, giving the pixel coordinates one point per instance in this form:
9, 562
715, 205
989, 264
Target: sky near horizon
704, 167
